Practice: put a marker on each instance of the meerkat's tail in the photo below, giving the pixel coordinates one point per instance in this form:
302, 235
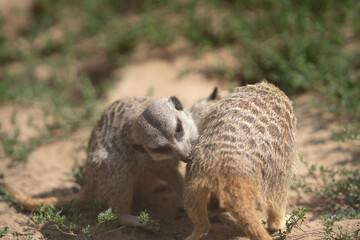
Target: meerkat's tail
32, 203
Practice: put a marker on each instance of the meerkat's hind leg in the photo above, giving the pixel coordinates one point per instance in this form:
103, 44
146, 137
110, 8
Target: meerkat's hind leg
195, 204
240, 201
276, 214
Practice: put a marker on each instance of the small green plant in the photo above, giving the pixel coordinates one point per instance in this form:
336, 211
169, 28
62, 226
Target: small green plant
102, 218
48, 214
346, 134
335, 232
3, 231
86, 229
340, 185
342, 188
28, 237
144, 218
12, 146
17, 150
69, 224
296, 217
106, 216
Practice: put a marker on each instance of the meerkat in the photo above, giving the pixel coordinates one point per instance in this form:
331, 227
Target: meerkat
137, 142
200, 109
245, 154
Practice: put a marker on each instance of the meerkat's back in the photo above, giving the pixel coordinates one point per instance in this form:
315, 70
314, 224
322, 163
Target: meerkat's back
245, 154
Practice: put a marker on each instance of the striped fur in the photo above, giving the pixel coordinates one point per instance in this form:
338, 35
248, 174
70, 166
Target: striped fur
136, 142
245, 154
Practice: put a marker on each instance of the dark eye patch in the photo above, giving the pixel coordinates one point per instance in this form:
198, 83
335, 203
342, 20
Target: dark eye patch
165, 149
179, 131
139, 148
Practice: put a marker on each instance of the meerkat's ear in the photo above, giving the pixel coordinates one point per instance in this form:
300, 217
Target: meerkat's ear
214, 94
177, 103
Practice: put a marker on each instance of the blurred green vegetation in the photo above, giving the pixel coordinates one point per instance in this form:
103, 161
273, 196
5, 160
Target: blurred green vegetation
298, 45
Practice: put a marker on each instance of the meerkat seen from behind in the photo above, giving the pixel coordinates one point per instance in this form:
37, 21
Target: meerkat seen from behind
137, 142
245, 154
200, 109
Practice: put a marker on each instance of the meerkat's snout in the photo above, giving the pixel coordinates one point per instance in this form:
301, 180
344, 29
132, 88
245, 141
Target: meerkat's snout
184, 154
165, 130
183, 148
187, 159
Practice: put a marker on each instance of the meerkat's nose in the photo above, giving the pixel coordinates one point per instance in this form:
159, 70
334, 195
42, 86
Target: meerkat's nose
186, 159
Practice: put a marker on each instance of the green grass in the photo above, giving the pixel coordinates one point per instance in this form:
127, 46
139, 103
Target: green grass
17, 150
299, 45
348, 133
335, 232
68, 104
69, 223
340, 189
341, 186
3, 231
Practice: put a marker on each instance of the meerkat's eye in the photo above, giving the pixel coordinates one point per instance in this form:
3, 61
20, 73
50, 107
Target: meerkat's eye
165, 149
179, 131
139, 148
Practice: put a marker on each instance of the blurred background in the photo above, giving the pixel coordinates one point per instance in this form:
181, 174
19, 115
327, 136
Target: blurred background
70, 51
62, 62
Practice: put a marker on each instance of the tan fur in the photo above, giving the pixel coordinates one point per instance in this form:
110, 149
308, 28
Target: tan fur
136, 143
245, 154
32, 203
198, 111
202, 107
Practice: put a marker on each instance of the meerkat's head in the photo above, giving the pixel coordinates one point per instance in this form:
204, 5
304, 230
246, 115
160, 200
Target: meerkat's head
164, 130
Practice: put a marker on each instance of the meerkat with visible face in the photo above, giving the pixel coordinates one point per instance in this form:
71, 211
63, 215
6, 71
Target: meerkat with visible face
245, 154
136, 143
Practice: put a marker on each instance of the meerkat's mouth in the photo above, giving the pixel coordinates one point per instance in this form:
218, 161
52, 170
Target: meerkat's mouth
186, 159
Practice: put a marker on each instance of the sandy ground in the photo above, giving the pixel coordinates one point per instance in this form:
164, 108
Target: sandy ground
49, 171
